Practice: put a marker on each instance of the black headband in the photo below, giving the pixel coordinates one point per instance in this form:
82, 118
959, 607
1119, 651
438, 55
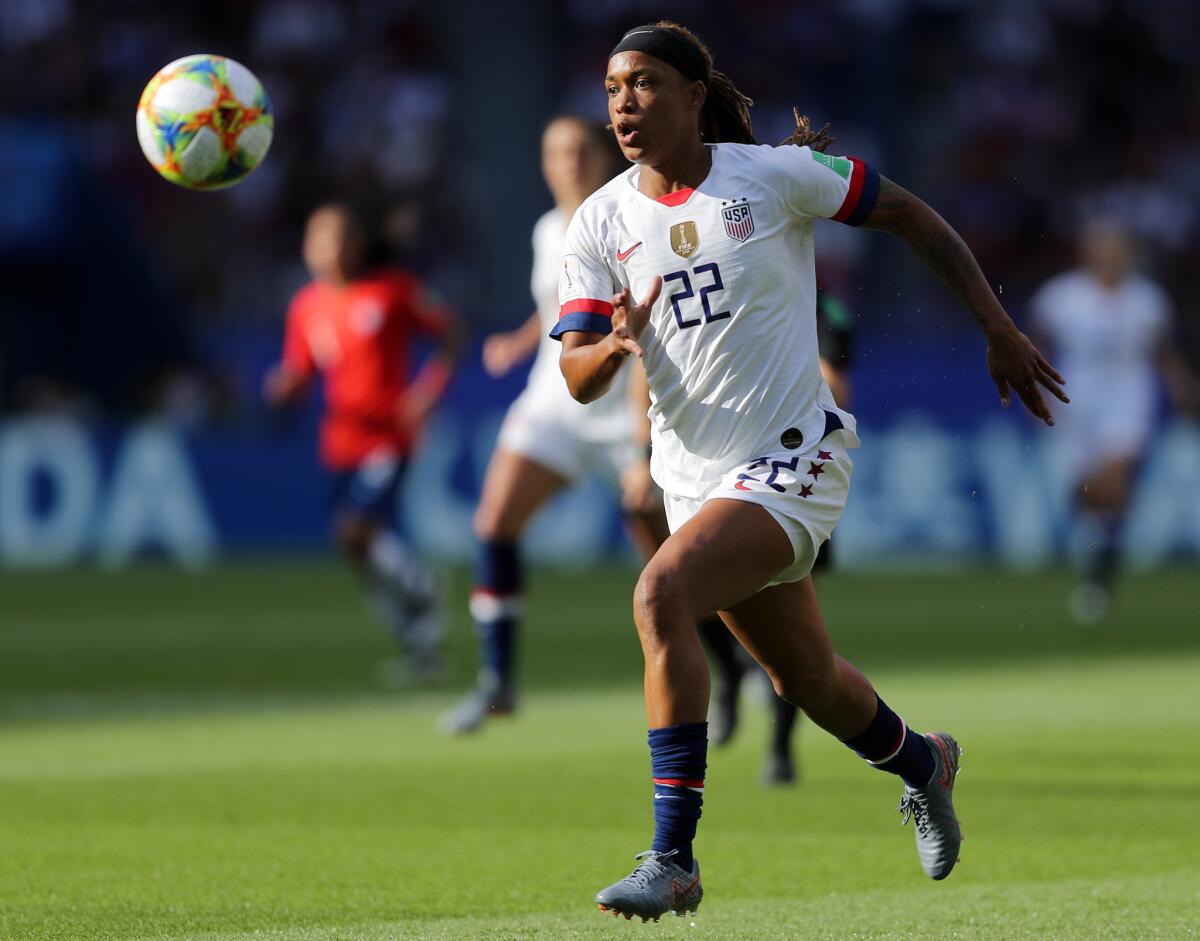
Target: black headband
667, 45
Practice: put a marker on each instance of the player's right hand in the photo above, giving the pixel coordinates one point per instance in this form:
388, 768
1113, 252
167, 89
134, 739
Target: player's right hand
629, 319
501, 353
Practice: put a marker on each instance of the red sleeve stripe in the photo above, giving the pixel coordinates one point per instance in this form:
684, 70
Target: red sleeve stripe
680, 782
586, 305
850, 203
862, 195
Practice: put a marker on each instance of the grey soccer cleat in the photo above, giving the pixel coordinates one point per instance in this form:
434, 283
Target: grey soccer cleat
1089, 603
656, 887
478, 705
931, 809
417, 668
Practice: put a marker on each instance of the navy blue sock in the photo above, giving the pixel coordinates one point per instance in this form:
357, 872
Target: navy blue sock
678, 758
890, 745
495, 606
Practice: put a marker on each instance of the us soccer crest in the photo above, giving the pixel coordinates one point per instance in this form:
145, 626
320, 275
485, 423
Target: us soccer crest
684, 239
739, 223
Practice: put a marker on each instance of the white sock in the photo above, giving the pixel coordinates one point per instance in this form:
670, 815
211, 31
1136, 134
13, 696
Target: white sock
415, 632
389, 608
394, 563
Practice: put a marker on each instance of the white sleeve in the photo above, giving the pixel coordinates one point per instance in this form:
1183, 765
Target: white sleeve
585, 284
816, 185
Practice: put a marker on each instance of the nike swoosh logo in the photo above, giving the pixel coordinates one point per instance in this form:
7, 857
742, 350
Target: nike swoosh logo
681, 894
622, 255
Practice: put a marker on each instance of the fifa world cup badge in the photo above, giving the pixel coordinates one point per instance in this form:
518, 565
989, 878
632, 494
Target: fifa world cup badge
684, 239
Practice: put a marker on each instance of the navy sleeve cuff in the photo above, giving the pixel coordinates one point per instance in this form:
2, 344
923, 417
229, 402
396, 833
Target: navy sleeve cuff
581, 321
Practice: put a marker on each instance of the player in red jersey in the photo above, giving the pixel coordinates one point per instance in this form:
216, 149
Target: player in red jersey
357, 328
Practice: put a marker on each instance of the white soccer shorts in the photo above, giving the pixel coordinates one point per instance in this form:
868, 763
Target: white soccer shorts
554, 442
804, 491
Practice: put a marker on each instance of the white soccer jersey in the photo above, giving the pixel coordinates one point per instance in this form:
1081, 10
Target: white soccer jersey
731, 347
546, 395
1105, 343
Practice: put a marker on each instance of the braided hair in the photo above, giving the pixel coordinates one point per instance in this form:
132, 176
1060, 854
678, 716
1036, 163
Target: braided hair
725, 116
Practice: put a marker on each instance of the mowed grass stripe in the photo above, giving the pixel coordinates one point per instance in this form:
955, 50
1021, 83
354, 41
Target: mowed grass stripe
1137, 909
75, 642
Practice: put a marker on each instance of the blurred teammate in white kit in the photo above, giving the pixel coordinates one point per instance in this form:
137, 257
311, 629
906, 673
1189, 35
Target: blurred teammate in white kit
548, 440
1109, 328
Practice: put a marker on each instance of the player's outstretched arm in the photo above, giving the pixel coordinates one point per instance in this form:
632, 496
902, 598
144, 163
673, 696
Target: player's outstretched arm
590, 361
430, 384
282, 387
502, 351
1013, 361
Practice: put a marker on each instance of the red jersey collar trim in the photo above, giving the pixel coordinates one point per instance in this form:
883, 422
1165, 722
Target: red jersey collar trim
677, 198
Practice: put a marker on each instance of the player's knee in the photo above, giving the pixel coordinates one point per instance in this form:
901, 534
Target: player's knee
491, 525
659, 608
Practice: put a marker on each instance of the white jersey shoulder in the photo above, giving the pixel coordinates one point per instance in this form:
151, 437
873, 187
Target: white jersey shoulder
1079, 313
546, 398
549, 234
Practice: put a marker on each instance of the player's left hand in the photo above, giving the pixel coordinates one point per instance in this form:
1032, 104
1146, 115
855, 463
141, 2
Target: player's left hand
1016, 365
639, 492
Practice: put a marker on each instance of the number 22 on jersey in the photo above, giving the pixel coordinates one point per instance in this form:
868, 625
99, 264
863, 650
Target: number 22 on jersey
701, 281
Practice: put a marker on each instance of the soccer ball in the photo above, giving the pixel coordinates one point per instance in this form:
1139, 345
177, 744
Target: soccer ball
204, 122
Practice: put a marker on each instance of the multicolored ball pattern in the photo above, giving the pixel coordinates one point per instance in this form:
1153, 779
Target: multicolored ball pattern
204, 122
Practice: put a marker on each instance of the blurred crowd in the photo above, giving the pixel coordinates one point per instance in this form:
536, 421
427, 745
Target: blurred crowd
1017, 119
124, 286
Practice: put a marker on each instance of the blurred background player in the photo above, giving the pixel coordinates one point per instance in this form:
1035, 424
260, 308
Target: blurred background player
357, 327
835, 345
1109, 326
549, 440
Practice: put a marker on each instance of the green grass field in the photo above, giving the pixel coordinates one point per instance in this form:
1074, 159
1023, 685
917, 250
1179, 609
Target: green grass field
206, 757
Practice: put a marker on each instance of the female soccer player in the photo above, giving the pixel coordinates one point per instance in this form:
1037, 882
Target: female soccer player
835, 342
714, 234
549, 440
1112, 328
357, 327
